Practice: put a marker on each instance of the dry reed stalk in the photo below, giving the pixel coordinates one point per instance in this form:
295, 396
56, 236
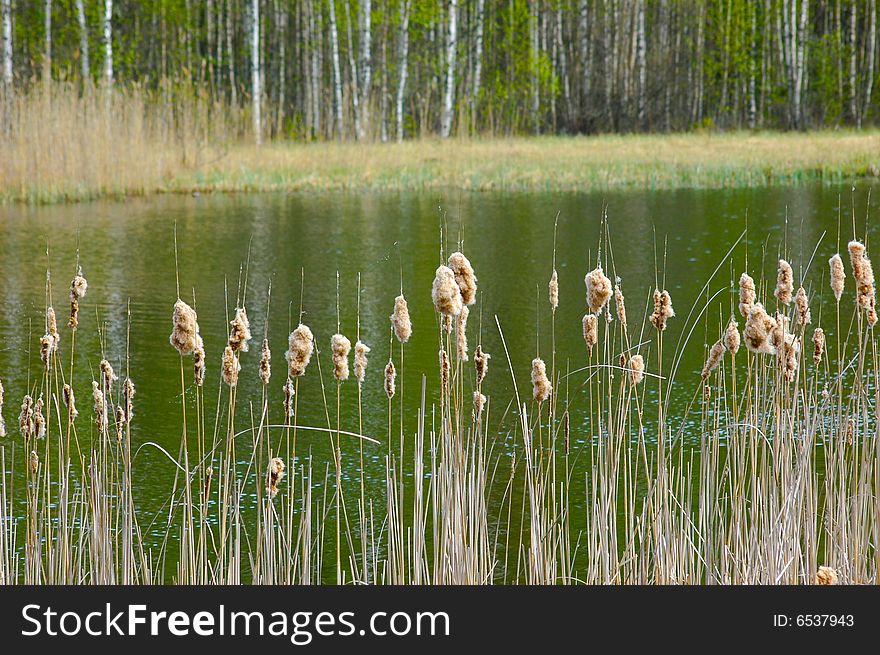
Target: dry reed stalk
230, 366
274, 476
200, 368
185, 330
464, 277
802, 307
591, 332
554, 290
479, 403
481, 363
39, 419
838, 276
818, 345
78, 288
863, 272
636, 369
400, 320
361, 350
445, 292
662, 309
288, 398
70, 402
731, 336
100, 406
620, 306
758, 327
715, 354
340, 347
746, 295
784, 282
26, 418
240, 334
598, 289
461, 344
390, 377
128, 392
2, 420
444, 368
265, 362
541, 387
827, 576
299, 352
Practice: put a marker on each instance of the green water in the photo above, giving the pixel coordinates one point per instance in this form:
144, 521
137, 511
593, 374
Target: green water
126, 250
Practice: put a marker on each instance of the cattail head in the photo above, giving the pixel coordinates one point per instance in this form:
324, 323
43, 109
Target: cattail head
779, 330
757, 330
240, 331
108, 375
445, 292
52, 325
636, 369
598, 289
70, 402
390, 377
199, 366
100, 406
119, 423
128, 392
288, 398
731, 336
340, 347
554, 290
620, 306
447, 323
274, 476
802, 307
78, 286
838, 276
662, 309
39, 419
265, 362
863, 273
818, 345
185, 330
715, 354
541, 387
746, 294
299, 352
827, 576
784, 282
400, 321
464, 277
591, 332
444, 368
481, 363
46, 348
34, 462
26, 418
479, 403
461, 344
230, 366
360, 360
788, 352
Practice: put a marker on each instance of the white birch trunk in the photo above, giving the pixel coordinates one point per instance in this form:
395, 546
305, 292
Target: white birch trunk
256, 82
583, 51
478, 58
451, 50
403, 61
337, 75
870, 55
7, 65
640, 63
83, 41
366, 64
108, 43
853, 57
47, 29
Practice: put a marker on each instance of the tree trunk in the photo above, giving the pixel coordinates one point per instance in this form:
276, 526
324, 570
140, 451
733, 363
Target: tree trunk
47, 29
353, 67
230, 55
7, 66
402, 62
640, 63
478, 61
366, 65
870, 52
451, 50
337, 74
108, 43
533, 66
584, 56
256, 82
83, 41
383, 103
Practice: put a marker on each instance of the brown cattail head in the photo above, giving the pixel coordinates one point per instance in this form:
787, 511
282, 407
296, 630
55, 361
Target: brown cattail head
731, 336
715, 354
620, 306
299, 352
100, 406
827, 576
788, 352
464, 277
662, 309
818, 345
78, 288
360, 360
479, 403
784, 282
400, 321
779, 330
128, 392
240, 331
46, 348
461, 344
108, 375
52, 326
185, 330
757, 330
838, 276
591, 332
863, 273
340, 347
274, 476
445, 292
39, 419
73, 321
390, 377
265, 362
26, 418
447, 323
554, 290
70, 402
802, 306
598, 289
541, 387
288, 398
746, 294
199, 366
444, 368
119, 423
34, 462
230, 366
636, 369
481, 362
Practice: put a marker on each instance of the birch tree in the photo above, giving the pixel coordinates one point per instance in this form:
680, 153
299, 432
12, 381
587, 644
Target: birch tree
7, 65
256, 73
870, 54
83, 41
366, 64
47, 29
402, 59
108, 43
451, 50
337, 74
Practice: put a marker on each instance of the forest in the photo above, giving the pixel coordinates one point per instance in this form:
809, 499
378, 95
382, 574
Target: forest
398, 69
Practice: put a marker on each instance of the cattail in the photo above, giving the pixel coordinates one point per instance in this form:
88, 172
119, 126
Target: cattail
447, 323
120, 423
52, 327
827, 576
598, 289
390, 377
746, 294
461, 343
850, 431
265, 362
78, 288
757, 330
70, 402
400, 320
100, 406
784, 282
240, 334
554, 291
185, 332
620, 306
46, 342
541, 387
230, 366
731, 336
209, 473
464, 277
39, 419
788, 352
838, 276
26, 418
445, 292
2, 420
360, 360
35, 462
275, 475
479, 403
128, 392
591, 332
715, 354
444, 368
288, 398
662, 309
863, 273
300, 347
199, 366
636, 369
108, 375
779, 330
340, 346
818, 345
802, 307
481, 362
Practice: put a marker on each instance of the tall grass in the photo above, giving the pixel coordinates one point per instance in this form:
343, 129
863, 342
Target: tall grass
767, 476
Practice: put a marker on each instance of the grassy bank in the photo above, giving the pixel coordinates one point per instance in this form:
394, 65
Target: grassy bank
66, 145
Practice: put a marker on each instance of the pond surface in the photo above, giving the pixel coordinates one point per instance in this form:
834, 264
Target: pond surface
228, 242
